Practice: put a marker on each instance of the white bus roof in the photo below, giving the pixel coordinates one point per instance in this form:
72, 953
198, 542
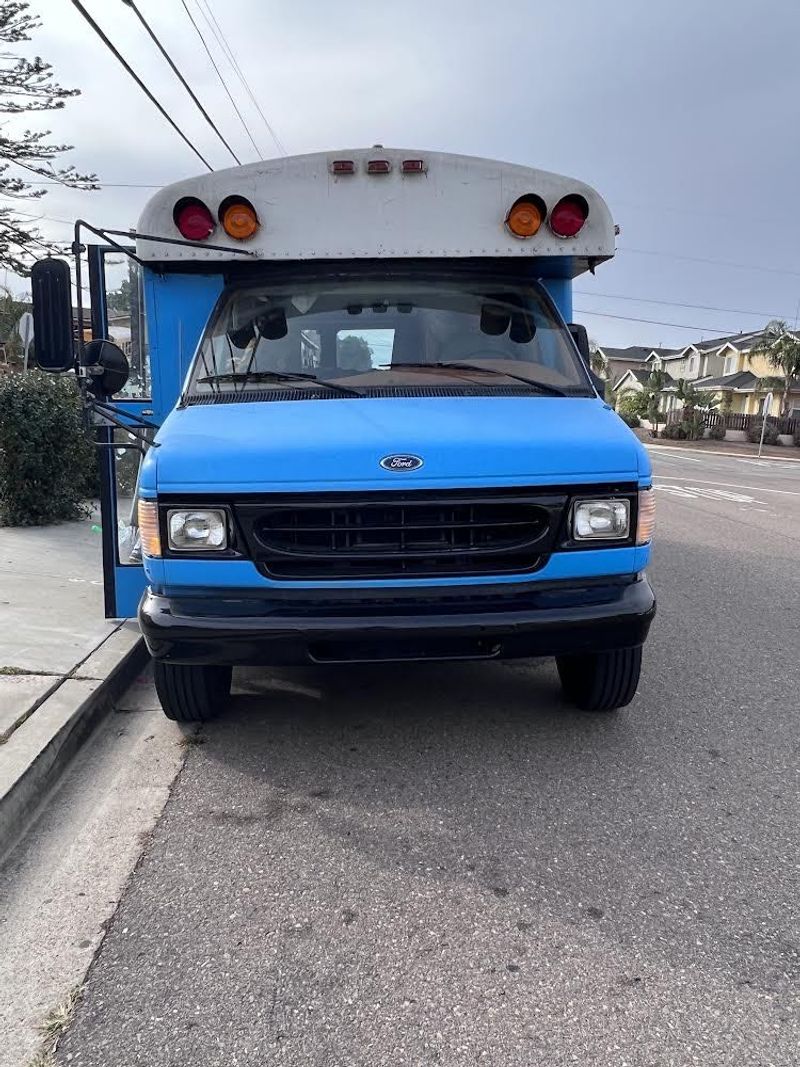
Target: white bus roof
455, 207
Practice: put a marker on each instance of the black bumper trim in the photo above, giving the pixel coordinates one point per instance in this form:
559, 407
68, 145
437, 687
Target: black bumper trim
573, 618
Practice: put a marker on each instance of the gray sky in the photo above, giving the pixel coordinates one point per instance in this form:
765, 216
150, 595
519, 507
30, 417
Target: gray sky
682, 113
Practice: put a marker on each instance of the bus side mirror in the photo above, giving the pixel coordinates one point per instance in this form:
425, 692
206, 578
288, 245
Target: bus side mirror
581, 339
51, 288
107, 367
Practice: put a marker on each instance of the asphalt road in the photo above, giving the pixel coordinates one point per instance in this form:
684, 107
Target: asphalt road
444, 865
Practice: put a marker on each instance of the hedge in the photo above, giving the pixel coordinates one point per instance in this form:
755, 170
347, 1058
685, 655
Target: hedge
48, 464
770, 432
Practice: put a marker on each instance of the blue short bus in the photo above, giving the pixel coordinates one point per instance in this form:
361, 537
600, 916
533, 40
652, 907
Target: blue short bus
367, 428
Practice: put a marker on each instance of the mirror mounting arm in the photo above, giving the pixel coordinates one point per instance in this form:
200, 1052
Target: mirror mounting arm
134, 429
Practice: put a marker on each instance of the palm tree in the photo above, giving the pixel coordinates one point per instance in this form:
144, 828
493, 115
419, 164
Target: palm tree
781, 349
652, 390
598, 364
770, 384
692, 398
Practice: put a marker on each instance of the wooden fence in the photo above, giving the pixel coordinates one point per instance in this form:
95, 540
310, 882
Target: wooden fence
737, 421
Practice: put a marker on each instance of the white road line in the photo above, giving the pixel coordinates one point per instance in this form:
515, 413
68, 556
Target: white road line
694, 492
772, 464
728, 485
673, 455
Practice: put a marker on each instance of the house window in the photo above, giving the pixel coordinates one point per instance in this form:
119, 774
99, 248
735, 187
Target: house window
691, 366
730, 363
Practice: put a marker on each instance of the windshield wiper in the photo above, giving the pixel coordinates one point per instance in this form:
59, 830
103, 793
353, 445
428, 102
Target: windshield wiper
277, 376
551, 390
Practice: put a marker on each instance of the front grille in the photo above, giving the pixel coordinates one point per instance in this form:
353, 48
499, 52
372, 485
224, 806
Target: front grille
402, 535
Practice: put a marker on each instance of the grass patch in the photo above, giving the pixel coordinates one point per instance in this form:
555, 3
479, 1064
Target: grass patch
43, 1059
53, 1027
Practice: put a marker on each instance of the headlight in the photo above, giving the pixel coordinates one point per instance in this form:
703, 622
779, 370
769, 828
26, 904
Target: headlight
198, 530
601, 520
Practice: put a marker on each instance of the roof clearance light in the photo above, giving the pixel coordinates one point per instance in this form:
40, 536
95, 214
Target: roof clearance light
238, 218
378, 166
193, 219
343, 166
569, 215
413, 166
526, 216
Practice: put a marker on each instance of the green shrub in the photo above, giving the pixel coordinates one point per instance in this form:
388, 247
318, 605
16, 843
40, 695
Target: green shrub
674, 431
48, 466
770, 433
717, 431
633, 404
693, 424
629, 419
797, 435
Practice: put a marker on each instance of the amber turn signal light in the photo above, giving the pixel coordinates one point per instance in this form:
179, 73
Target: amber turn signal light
647, 517
239, 219
526, 216
147, 511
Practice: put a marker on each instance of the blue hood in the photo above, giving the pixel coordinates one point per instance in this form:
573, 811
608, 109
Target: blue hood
464, 441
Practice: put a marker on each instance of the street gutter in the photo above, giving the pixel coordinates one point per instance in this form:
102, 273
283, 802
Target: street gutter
34, 756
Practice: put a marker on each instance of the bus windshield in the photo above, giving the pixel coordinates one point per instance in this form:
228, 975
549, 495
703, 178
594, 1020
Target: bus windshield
362, 335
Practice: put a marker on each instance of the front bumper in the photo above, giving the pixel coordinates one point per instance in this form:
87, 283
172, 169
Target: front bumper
456, 622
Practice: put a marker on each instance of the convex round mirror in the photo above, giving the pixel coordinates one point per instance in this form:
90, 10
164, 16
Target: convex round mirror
109, 369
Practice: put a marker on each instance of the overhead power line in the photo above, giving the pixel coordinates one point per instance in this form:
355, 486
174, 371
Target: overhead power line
216, 29
222, 81
678, 304
713, 262
722, 331
117, 55
132, 5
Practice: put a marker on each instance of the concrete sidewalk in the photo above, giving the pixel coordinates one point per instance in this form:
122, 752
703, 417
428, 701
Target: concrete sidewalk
61, 662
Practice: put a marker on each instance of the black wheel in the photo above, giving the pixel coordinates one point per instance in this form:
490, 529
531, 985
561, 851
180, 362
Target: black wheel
191, 693
600, 681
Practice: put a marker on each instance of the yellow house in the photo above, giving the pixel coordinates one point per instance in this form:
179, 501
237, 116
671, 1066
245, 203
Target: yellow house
741, 377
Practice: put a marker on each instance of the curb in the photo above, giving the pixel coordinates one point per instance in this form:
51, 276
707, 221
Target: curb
47, 740
719, 452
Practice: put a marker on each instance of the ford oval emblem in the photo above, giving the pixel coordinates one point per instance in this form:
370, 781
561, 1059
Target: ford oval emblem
401, 463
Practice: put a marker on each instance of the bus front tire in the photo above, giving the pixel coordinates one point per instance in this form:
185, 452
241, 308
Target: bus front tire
600, 681
191, 693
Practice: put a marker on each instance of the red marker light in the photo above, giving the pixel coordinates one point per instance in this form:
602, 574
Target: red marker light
343, 166
413, 166
193, 219
569, 215
379, 166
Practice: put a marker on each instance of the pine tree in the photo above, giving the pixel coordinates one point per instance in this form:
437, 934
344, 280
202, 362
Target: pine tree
27, 86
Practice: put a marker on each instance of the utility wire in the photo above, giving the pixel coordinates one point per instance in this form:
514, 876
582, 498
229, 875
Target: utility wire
208, 13
713, 262
678, 304
656, 322
115, 52
223, 83
131, 4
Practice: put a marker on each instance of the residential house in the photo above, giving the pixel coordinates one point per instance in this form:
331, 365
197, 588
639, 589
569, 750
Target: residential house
740, 377
636, 381
618, 361
719, 367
